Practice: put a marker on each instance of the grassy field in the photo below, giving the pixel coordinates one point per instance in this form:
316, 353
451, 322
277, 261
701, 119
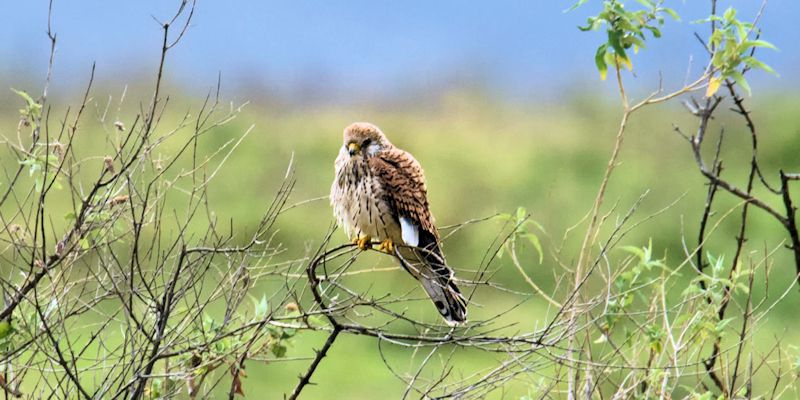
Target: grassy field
483, 156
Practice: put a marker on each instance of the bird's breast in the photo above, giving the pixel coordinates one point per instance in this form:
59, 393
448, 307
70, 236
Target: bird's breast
360, 203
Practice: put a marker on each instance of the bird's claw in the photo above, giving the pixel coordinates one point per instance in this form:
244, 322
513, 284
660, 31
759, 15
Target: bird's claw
364, 242
387, 246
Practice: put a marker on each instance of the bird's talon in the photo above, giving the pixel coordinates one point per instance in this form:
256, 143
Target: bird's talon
364, 242
387, 246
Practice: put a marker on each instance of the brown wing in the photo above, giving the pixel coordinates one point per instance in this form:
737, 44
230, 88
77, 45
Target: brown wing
405, 187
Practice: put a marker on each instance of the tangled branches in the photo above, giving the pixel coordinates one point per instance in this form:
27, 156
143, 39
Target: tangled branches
121, 281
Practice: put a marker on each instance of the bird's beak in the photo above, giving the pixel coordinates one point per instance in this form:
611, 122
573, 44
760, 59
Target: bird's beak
353, 148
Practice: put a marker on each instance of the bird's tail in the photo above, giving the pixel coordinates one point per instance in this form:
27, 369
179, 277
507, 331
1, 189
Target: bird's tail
428, 266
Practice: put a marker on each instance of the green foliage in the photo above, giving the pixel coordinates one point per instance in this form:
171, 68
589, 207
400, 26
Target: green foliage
5, 329
156, 388
102, 225
655, 335
261, 308
6, 336
37, 165
522, 230
223, 342
568, 154
710, 290
626, 283
31, 113
24, 325
625, 30
733, 50
634, 308
716, 283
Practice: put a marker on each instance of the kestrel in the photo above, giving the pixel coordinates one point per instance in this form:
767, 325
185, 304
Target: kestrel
379, 193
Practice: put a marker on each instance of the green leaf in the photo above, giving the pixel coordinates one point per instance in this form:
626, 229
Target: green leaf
671, 13
600, 61
288, 333
591, 24
278, 349
639, 253
739, 79
317, 321
752, 62
576, 5
655, 31
28, 99
156, 388
536, 224
29, 161
741, 286
32, 109
722, 324
601, 339
536, 244
522, 213
261, 307
614, 40
5, 329
655, 345
758, 43
713, 85
730, 14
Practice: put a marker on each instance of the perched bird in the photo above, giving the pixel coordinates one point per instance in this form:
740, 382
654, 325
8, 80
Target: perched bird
379, 194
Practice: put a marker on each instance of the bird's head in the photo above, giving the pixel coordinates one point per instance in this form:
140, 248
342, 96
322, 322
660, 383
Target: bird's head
364, 139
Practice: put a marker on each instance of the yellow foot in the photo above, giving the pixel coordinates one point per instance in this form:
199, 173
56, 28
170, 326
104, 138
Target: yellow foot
387, 246
364, 242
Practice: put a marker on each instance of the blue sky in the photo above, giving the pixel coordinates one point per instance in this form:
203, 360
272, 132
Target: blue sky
363, 47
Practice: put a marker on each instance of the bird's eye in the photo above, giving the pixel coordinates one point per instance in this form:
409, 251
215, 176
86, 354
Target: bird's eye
365, 143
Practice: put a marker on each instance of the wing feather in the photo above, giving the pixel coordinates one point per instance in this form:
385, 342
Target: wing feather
404, 181
404, 187
409, 231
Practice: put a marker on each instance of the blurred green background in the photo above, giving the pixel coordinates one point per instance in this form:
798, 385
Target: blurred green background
482, 156
488, 145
